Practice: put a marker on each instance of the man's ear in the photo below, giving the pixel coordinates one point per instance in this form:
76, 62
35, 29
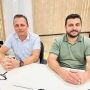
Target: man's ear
28, 26
65, 27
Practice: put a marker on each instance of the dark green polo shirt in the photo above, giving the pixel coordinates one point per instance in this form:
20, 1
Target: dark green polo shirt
71, 55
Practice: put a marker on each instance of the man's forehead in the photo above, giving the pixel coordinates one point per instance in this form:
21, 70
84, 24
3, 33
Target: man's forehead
19, 20
75, 20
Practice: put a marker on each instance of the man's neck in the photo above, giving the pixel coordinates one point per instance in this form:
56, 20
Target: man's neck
72, 40
22, 38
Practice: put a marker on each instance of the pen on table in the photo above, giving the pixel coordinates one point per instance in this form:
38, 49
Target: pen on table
23, 87
26, 87
5, 73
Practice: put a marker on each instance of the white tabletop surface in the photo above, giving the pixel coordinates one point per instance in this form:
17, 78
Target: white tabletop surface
37, 76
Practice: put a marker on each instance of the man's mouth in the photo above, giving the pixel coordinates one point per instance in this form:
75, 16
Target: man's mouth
74, 31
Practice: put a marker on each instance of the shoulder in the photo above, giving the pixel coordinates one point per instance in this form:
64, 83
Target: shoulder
33, 37
86, 38
86, 41
59, 38
11, 35
9, 40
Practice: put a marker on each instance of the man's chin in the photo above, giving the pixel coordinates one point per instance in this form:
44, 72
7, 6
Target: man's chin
73, 35
21, 33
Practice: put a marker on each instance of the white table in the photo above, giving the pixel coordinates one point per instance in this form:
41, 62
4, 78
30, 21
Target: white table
37, 76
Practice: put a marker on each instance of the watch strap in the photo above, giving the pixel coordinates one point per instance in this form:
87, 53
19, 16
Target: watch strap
21, 63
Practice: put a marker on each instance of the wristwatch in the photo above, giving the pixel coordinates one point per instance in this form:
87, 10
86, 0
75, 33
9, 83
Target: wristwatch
21, 63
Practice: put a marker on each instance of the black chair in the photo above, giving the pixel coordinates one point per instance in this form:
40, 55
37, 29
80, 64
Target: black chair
42, 60
1, 43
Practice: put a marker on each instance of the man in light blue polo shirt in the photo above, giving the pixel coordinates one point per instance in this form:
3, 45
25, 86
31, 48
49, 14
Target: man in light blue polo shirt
25, 44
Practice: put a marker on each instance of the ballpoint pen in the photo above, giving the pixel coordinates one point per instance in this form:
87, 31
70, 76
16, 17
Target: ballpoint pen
23, 87
26, 87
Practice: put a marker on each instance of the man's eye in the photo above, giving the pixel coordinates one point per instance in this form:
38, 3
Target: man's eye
16, 25
22, 25
70, 25
77, 24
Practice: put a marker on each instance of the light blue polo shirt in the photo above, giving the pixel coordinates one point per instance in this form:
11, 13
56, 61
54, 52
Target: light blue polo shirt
23, 49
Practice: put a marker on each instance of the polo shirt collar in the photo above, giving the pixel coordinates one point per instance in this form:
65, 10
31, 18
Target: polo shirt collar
79, 38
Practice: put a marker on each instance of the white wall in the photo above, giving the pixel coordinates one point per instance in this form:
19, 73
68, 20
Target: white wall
12, 7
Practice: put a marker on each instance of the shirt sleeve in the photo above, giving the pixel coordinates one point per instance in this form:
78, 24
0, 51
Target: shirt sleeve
37, 44
87, 47
8, 41
55, 47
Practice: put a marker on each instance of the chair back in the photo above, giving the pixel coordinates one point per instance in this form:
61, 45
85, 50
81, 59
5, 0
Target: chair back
41, 52
1, 43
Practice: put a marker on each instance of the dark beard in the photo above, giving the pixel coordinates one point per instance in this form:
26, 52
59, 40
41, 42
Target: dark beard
72, 35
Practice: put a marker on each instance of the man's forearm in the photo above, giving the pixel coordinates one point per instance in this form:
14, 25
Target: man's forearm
30, 60
88, 71
88, 66
1, 57
55, 66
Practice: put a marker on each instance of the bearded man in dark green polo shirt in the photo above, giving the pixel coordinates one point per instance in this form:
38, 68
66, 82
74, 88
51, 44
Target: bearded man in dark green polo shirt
71, 50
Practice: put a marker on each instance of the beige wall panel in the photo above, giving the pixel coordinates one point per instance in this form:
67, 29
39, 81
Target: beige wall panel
2, 31
47, 40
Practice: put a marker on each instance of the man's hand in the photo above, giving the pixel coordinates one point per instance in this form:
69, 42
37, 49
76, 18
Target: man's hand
9, 63
71, 77
82, 75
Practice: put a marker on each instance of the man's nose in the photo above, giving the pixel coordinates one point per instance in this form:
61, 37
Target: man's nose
19, 27
74, 27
